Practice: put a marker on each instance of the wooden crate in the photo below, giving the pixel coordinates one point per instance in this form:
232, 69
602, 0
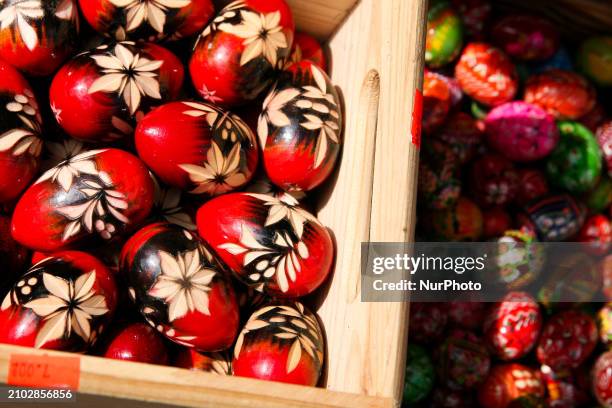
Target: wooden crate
377, 59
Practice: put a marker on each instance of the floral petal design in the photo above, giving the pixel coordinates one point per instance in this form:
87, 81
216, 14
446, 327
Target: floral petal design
152, 11
21, 13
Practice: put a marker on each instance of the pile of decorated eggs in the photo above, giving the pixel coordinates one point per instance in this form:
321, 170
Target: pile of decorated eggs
132, 223
517, 148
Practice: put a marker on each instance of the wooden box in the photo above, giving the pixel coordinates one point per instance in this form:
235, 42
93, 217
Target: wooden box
377, 56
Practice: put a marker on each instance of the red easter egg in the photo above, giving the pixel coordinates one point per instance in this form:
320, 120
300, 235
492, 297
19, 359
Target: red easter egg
180, 287
216, 363
300, 128
467, 315
197, 147
486, 74
20, 127
604, 140
496, 221
269, 243
463, 361
526, 37
137, 342
14, 256
306, 47
281, 343
100, 94
236, 56
563, 94
602, 379
148, 20
463, 136
494, 180
513, 325
61, 303
508, 382
532, 185
36, 36
436, 101
597, 231
427, 321
567, 340
475, 15
97, 193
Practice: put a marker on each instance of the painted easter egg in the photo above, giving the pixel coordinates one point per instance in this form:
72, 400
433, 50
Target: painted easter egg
595, 59
198, 147
36, 36
526, 37
604, 324
180, 287
420, 375
600, 198
462, 134
507, 382
439, 183
444, 35
281, 342
99, 193
597, 232
602, 379
521, 131
467, 315
554, 217
531, 186
137, 342
269, 243
63, 302
147, 20
236, 56
300, 128
462, 222
475, 15
219, 363
519, 259
100, 94
306, 47
575, 164
494, 180
436, 101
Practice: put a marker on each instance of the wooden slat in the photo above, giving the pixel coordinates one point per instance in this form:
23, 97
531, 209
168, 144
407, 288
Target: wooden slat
377, 62
320, 17
181, 387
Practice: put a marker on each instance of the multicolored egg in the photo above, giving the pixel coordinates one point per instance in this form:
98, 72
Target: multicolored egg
198, 147
420, 375
506, 383
269, 243
36, 36
147, 20
604, 324
436, 101
486, 74
604, 140
568, 339
496, 221
439, 183
494, 180
427, 321
444, 35
237, 55
512, 326
281, 342
462, 135
137, 342
306, 47
526, 37
462, 222
100, 94
180, 287
554, 217
595, 59
63, 302
602, 379
300, 128
531, 186
462, 360
564, 94
575, 164
98, 193
519, 259
20, 131
521, 131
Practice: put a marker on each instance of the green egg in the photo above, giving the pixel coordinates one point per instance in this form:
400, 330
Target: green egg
419, 375
595, 59
444, 35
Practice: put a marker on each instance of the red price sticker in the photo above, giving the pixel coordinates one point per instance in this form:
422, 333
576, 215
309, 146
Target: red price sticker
43, 371
417, 116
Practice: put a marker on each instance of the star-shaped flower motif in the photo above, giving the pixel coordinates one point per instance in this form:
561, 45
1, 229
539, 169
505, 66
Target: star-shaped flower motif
151, 11
66, 171
183, 284
286, 207
69, 306
210, 95
130, 75
272, 113
220, 174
